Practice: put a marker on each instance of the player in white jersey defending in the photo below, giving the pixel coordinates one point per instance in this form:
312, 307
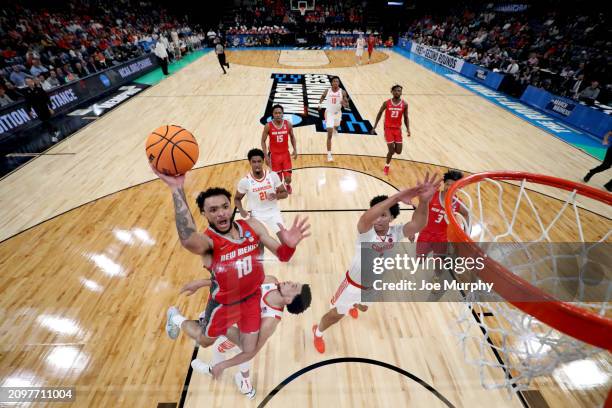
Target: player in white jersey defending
374, 228
359, 47
274, 297
263, 189
335, 98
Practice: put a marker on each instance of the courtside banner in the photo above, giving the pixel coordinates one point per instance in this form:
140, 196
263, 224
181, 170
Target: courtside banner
438, 57
15, 117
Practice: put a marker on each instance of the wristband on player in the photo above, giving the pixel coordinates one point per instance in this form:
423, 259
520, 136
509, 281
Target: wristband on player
284, 253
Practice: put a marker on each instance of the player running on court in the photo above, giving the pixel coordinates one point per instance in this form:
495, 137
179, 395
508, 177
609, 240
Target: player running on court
335, 98
395, 110
279, 131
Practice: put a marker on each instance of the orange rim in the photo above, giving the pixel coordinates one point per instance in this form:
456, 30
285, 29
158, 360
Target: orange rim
565, 317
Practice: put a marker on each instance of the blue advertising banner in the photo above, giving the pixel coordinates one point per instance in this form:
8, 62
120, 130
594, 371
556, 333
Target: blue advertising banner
480, 74
15, 117
570, 111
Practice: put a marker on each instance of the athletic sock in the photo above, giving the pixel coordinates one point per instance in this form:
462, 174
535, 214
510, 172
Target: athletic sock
178, 319
318, 333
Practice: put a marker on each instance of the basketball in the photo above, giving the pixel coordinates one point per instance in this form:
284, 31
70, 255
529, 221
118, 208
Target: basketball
172, 150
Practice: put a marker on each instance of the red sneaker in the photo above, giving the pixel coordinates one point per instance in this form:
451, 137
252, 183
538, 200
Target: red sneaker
354, 313
319, 343
288, 188
386, 170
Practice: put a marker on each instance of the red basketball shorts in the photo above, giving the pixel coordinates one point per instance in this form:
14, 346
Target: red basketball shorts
393, 135
218, 317
281, 163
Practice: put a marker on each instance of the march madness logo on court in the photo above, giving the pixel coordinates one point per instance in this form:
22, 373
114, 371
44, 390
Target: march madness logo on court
299, 94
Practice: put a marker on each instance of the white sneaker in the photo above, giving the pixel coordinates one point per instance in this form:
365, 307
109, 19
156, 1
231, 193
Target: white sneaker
172, 329
330, 158
244, 385
54, 139
201, 367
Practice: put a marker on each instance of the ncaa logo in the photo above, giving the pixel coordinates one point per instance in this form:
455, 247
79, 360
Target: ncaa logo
299, 95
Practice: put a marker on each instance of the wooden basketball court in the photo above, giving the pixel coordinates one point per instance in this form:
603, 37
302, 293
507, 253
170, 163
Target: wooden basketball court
91, 259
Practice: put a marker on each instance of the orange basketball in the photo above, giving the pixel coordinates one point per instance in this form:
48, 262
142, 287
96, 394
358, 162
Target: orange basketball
172, 150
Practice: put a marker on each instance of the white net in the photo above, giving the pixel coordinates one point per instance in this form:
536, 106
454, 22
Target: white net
496, 335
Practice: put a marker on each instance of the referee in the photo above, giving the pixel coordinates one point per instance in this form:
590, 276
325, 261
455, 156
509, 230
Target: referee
220, 51
605, 165
37, 101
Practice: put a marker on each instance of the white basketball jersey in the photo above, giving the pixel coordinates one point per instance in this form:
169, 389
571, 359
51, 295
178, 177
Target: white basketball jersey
257, 191
266, 309
333, 101
378, 243
360, 43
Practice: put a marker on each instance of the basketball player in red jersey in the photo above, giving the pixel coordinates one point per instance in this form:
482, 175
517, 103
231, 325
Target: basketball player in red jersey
395, 109
280, 131
371, 43
433, 238
231, 251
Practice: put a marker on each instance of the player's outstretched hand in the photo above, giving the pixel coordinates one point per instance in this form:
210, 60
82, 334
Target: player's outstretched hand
298, 231
429, 186
172, 181
408, 194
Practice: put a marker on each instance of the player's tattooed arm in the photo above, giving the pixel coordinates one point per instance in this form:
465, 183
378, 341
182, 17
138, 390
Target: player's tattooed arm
378, 116
185, 225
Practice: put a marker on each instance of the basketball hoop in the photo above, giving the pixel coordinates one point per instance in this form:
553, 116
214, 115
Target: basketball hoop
302, 9
533, 337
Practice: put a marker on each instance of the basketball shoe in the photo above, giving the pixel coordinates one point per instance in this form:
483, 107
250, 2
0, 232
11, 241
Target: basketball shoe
172, 329
244, 385
319, 343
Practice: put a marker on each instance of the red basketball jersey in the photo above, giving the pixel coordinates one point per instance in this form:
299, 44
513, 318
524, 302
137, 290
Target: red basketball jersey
437, 221
279, 137
371, 42
394, 114
236, 264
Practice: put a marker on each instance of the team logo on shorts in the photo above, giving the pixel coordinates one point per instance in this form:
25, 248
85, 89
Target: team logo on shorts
299, 94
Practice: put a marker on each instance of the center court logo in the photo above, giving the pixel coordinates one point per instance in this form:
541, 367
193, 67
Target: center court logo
299, 94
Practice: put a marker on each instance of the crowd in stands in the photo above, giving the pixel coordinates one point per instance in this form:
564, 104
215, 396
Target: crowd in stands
56, 47
562, 53
269, 19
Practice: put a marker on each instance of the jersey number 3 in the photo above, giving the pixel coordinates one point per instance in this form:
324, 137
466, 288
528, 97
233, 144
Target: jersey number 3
244, 266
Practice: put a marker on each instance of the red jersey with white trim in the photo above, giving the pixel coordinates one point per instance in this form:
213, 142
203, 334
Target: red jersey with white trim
437, 221
394, 114
279, 137
236, 264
